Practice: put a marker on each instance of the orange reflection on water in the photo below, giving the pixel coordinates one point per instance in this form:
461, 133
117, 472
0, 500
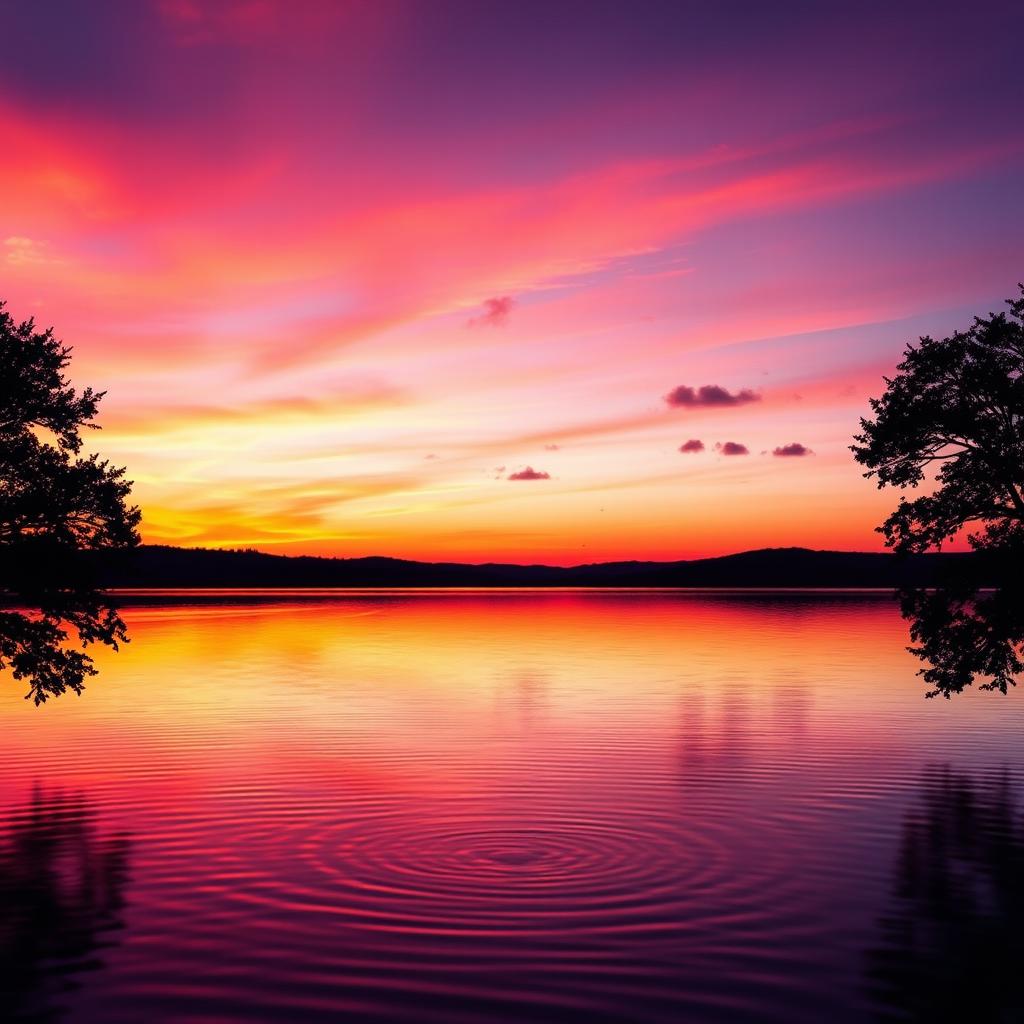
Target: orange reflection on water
457, 671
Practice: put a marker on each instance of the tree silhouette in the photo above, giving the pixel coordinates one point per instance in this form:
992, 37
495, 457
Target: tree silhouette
953, 416
57, 509
952, 419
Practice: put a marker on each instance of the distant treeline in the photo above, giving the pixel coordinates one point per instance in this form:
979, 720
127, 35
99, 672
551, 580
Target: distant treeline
161, 567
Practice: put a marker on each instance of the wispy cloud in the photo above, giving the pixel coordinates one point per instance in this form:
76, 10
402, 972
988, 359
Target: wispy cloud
21, 251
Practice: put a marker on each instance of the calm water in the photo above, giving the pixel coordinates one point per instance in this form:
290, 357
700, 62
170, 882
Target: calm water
511, 807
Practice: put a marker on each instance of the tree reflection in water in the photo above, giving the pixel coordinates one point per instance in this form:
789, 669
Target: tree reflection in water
53, 611
965, 634
62, 889
951, 942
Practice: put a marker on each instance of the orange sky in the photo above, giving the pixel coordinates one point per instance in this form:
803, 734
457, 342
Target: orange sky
348, 270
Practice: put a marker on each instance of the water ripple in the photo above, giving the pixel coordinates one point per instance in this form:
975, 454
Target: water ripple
479, 809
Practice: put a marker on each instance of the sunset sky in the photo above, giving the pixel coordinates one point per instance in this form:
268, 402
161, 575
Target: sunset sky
447, 279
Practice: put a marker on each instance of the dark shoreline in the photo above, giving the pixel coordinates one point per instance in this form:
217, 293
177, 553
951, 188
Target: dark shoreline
152, 567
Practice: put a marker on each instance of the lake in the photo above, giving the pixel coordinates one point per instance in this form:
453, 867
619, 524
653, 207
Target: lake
487, 807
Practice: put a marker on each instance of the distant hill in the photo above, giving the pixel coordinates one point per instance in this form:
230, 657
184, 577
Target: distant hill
155, 566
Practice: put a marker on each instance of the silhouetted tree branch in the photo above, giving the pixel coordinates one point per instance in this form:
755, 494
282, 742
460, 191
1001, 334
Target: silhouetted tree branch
953, 418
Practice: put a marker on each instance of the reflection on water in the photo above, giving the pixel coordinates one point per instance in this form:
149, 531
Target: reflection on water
62, 890
503, 807
50, 615
951, 935
966, 636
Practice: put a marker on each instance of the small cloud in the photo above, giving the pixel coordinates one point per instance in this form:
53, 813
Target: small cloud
708, 396
732, 448
495, 313
529, 474
691, 446
552, 447
430, 456
794, 450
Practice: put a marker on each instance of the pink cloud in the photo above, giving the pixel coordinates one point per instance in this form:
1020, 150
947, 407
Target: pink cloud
732, 448
529, 474
495, 313
794, 450
708, 396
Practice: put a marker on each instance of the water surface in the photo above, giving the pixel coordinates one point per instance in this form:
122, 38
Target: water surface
510, 807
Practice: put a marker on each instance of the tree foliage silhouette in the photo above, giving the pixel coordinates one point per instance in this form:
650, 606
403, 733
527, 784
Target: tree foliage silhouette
953, 417
58, 508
